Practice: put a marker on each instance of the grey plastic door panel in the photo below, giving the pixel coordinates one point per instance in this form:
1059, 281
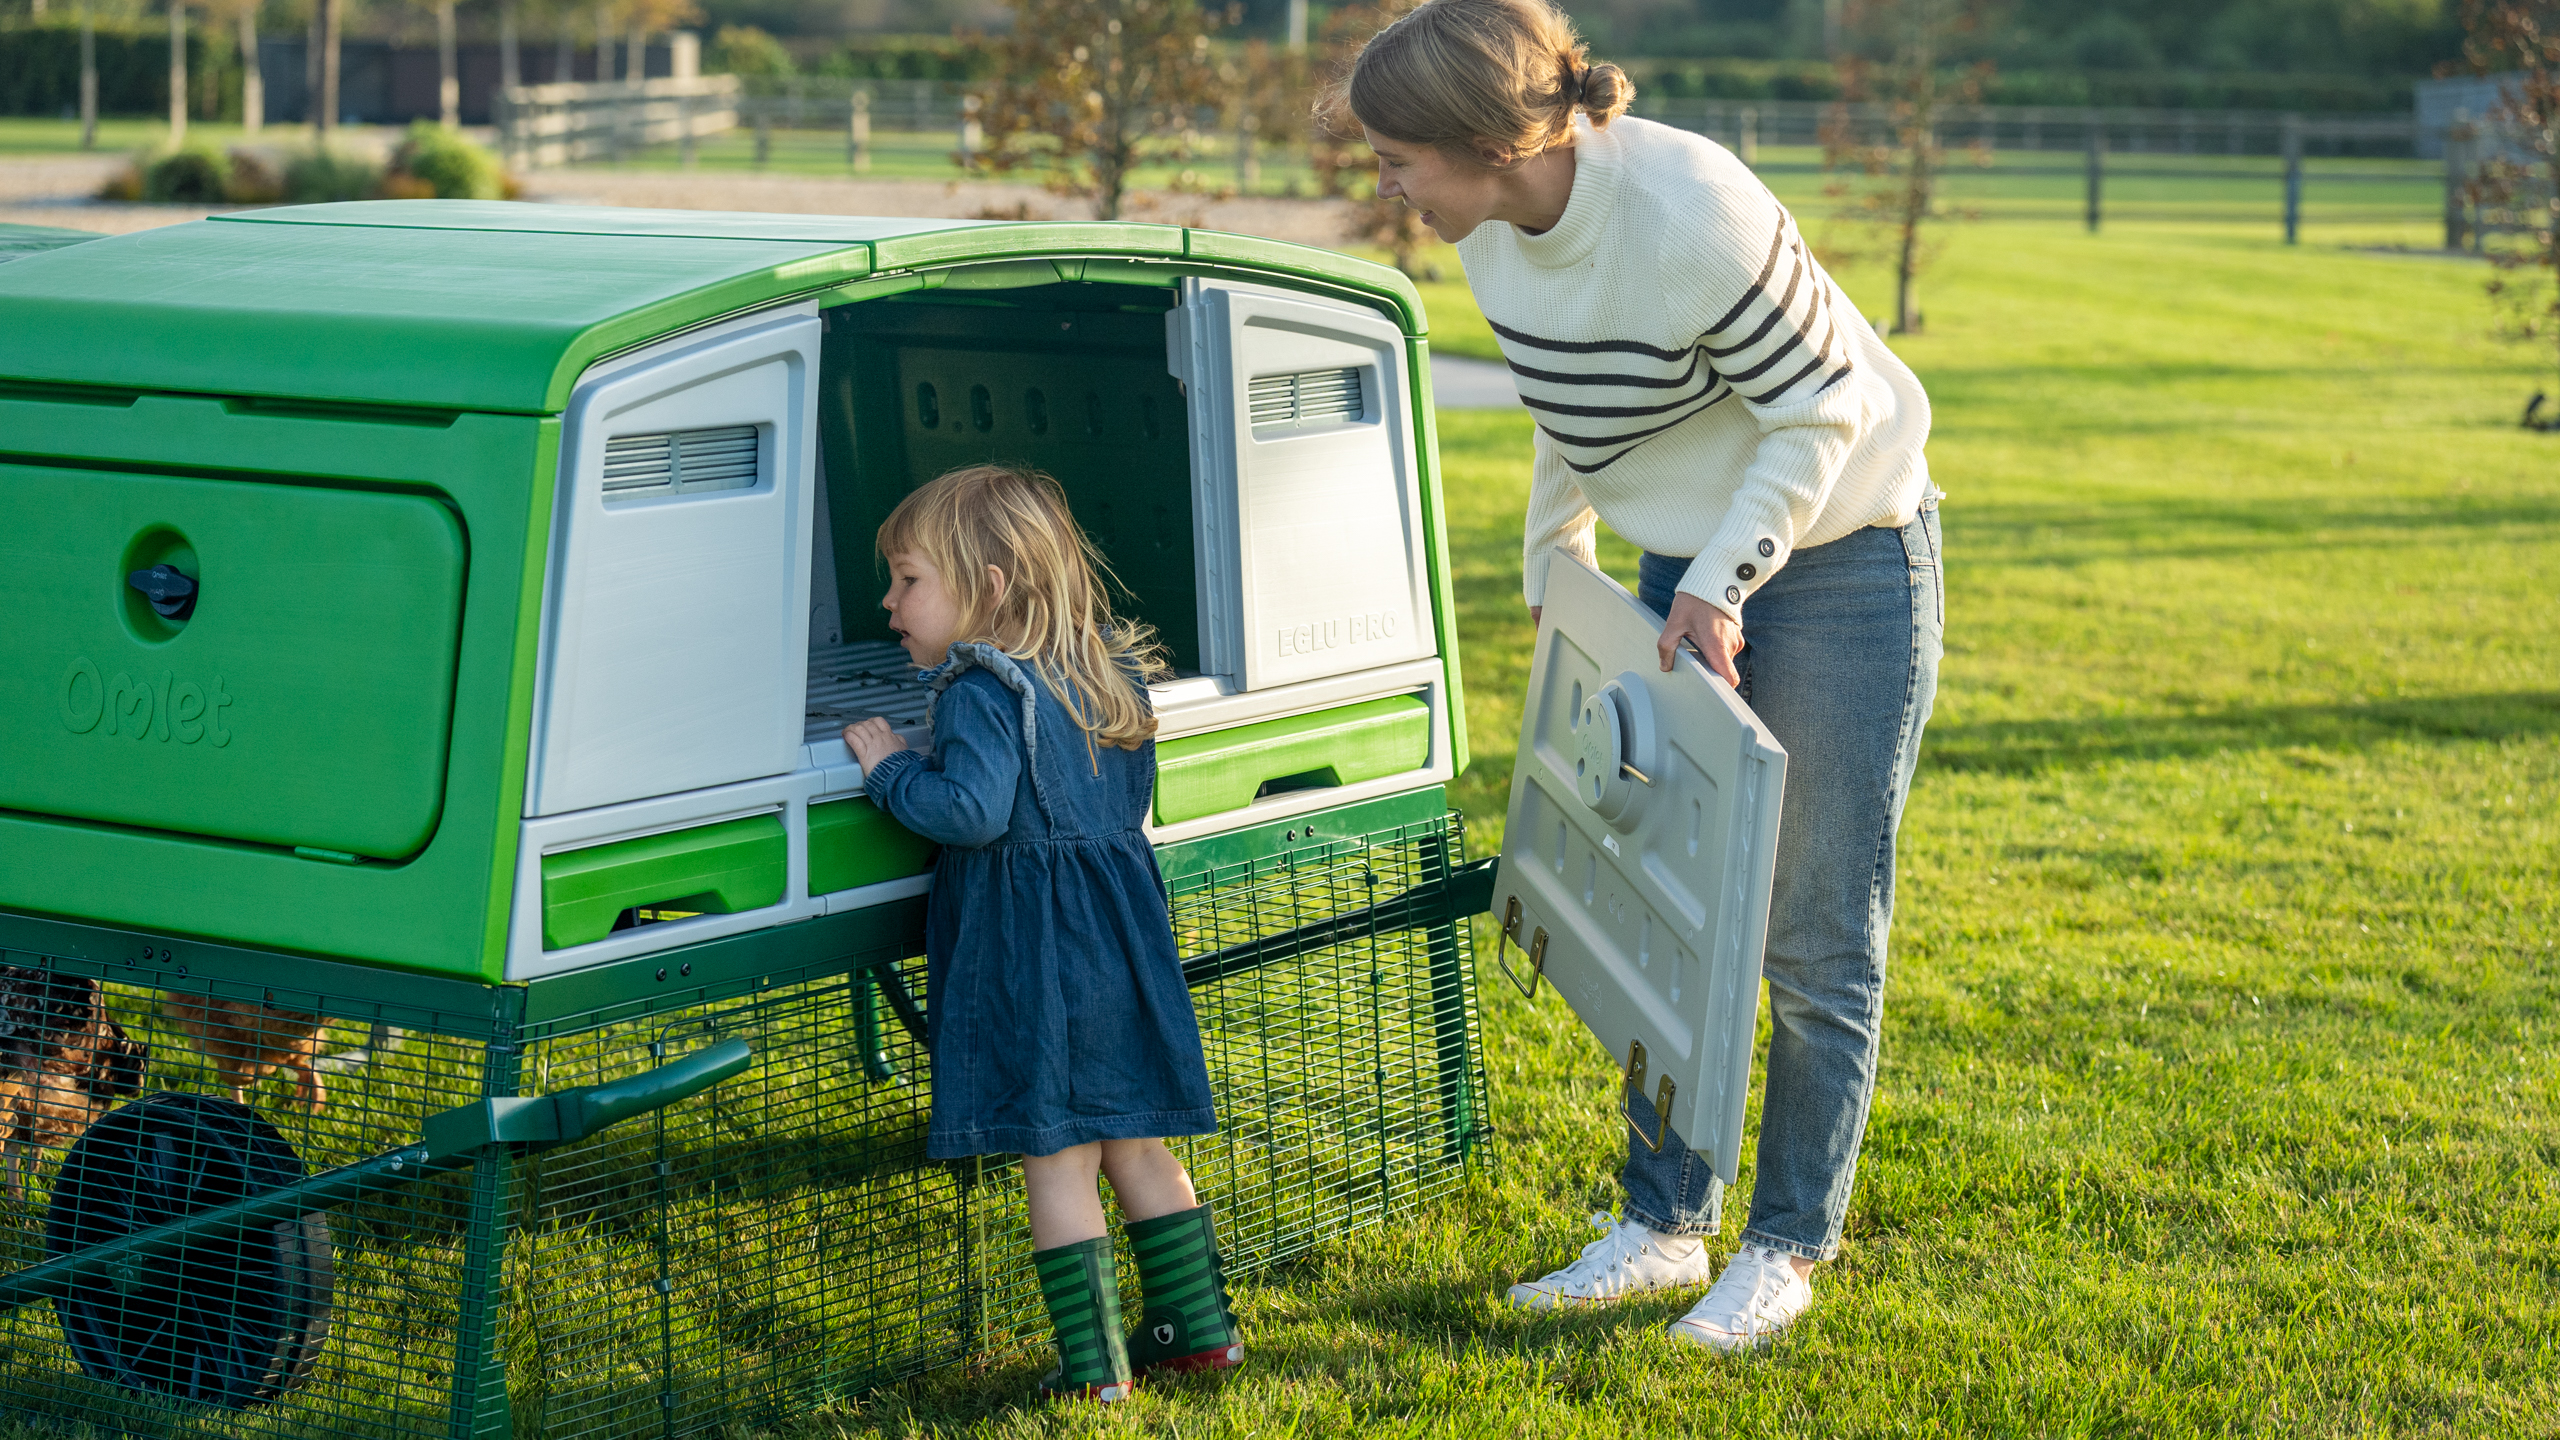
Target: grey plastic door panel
1637, 859
1305, 486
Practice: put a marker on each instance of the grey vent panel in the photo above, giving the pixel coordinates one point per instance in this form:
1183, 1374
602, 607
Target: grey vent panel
681, 462
1307, 397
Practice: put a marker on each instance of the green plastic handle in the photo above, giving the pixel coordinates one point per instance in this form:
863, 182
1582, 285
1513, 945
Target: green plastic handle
589, 1108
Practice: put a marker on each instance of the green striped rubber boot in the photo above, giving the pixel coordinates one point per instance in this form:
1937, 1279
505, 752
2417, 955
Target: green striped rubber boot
1083, 1293
1189, 1324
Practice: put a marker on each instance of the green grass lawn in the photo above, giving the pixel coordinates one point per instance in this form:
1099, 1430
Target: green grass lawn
2219, 1072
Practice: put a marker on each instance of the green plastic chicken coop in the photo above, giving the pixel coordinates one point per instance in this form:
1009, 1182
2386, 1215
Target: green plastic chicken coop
430, 625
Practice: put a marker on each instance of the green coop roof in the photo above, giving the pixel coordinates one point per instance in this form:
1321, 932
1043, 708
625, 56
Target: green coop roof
464, 305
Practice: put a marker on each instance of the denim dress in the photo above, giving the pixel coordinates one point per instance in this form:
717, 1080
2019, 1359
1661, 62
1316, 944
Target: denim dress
1056, 1011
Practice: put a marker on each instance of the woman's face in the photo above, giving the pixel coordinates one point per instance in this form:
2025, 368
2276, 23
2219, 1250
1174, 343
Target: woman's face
1453, 195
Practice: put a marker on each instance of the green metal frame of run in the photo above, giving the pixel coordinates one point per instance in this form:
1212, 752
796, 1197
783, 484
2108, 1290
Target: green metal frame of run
1328, 961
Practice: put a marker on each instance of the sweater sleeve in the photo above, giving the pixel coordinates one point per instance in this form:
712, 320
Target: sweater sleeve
1773, 335
1559, 514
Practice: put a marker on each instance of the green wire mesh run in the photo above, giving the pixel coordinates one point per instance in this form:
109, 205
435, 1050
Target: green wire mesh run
1344, 1057
116, 1099
751, 1253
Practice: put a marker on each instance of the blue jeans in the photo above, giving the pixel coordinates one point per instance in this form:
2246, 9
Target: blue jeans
1840, 660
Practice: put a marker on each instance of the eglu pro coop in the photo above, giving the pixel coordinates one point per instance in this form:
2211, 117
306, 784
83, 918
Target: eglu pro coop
454, 984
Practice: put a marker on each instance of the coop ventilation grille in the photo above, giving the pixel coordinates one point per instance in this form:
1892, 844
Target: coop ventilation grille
1304, 398
682, 462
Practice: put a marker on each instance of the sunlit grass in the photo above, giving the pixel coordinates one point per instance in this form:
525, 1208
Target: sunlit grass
2218, 1087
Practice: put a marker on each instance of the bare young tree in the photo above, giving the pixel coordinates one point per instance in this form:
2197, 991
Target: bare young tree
1093, 89
1895, 53
243, 15
1342, 160
2519, 40
177, 73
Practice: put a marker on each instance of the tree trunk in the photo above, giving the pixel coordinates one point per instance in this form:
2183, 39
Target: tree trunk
510, 58
253, 80
564, 51
448, 70
1915, 213
635, 55
327, 120
177, 74
88, 80
604, 45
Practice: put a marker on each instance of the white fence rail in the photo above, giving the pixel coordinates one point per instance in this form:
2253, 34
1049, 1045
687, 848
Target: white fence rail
561, 124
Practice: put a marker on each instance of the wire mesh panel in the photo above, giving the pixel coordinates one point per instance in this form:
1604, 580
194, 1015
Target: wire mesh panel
127, 1106
771, 1243
1342, 1048
765, 1246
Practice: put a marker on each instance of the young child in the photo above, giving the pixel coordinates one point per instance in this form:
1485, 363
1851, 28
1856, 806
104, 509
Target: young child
1058, 1020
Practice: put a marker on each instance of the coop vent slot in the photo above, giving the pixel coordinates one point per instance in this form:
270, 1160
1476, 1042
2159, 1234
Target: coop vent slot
681, 462
1304, 398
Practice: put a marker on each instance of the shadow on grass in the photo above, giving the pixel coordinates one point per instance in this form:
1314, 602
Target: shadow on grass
2018, 747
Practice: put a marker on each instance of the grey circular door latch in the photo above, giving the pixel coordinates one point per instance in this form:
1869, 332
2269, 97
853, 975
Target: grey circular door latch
1616, 751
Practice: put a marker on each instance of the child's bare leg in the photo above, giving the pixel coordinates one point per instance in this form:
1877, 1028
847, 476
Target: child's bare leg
1146, 1177
1066, 1206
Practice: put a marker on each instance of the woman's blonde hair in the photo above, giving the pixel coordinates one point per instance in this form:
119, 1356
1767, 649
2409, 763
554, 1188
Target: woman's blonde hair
1054, 611
1494, 81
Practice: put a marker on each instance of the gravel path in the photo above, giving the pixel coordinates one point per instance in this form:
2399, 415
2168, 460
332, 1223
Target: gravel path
56, 191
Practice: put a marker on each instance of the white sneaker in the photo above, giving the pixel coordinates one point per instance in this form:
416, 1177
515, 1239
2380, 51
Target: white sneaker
1625, 1260
1759, 1295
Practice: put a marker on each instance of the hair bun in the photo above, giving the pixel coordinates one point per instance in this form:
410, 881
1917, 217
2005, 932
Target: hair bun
1604, 91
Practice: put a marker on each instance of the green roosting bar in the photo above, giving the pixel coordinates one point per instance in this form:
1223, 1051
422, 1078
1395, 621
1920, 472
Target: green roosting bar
430, 628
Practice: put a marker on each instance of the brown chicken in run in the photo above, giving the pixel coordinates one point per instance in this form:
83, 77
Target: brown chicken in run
63, 1064
247, 1043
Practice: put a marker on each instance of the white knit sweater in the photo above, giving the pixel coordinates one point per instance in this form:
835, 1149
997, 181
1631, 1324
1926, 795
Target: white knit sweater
1698, 381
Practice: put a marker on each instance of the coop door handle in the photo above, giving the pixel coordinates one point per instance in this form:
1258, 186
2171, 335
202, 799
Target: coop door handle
170, 592
1537, 948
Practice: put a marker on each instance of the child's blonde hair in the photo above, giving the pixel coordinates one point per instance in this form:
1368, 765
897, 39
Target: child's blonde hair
1493, 81
1054, 612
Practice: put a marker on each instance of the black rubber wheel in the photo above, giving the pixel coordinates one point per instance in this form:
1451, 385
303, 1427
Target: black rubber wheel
231, 1322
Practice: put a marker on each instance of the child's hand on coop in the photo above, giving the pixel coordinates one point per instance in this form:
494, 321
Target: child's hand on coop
872, 741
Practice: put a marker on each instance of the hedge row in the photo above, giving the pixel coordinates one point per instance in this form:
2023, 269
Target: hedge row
40, 70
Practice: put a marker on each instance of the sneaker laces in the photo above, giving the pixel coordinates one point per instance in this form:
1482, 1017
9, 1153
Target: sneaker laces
1614, 1251
1728, 1308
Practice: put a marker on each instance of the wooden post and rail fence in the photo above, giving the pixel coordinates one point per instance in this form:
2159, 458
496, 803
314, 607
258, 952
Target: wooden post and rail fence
572, 123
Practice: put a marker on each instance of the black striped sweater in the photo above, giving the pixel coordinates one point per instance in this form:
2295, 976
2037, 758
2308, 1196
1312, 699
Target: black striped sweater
1698, 380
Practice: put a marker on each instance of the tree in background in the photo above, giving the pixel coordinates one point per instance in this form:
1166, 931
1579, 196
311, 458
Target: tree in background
177, 73
1894, 54
1092, 89
748, 53
243, 15
1342, 159
2520, 41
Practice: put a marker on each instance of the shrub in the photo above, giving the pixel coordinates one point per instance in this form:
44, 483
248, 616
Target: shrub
254, 179
190, 175
125, 184
749, 53
316, 175
434, 163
